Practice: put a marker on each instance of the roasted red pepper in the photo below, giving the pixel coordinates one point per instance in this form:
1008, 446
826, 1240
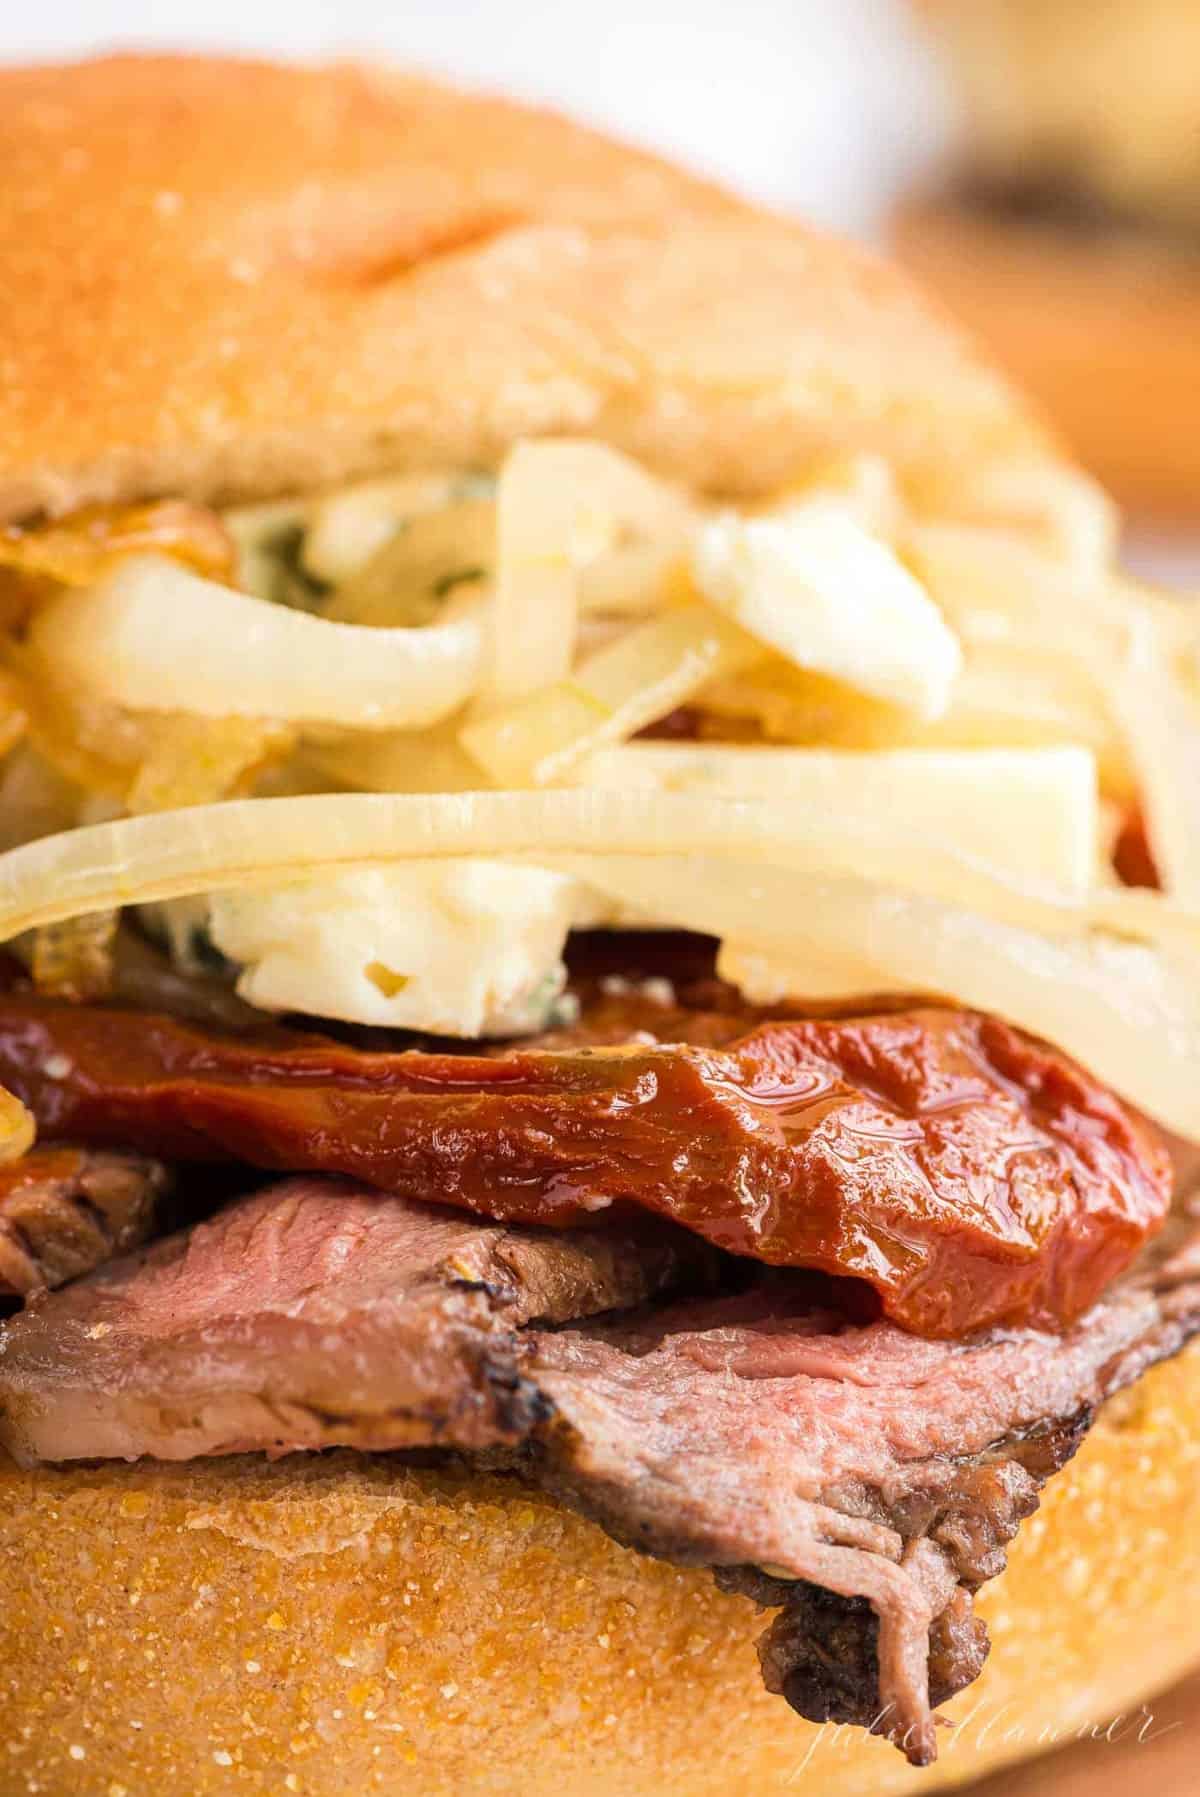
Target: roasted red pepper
968, 1174
1132, 856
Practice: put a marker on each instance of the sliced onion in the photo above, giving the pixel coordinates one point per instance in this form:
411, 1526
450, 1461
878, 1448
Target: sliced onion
1055, 507
246, 842
864, 485
561, 505
196, 761
1003, 699
744, 869
997, 588
265, 536
87, 544
35, 799
346, 529
1160, 711
612, 694
1128, 643
14, 712
398, 760
632, 580
156, 638
144, 760
1040, 643
1128, 1010
427, 557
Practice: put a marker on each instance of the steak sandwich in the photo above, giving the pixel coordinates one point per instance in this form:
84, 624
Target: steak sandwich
600, 1010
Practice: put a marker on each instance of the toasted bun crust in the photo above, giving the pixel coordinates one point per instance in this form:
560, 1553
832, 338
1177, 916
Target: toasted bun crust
1102, 331
227, 279
339, 1624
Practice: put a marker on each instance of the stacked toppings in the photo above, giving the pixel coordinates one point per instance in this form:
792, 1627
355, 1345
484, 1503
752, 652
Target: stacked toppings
401, 714
967, 1175
858, 1481
379, 757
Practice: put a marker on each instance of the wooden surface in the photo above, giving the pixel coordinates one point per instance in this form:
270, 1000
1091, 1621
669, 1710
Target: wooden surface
1166, 1763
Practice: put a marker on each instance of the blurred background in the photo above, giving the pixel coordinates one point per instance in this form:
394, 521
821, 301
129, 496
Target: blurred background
1037, 162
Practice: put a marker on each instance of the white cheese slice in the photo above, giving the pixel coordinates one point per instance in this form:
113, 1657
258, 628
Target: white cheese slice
1032, 814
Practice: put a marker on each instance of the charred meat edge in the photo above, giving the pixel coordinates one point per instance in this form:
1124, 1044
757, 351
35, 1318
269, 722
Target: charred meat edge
65, 1211
318, 1314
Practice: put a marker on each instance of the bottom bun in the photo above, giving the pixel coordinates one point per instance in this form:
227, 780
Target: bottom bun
1101, 329
339, 1626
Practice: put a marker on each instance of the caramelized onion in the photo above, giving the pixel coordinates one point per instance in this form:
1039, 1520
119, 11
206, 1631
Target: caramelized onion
1114, 979
91, 542
74, 959
17, 1127
154, 637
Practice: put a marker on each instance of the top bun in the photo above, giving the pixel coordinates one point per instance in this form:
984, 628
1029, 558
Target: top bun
224, 279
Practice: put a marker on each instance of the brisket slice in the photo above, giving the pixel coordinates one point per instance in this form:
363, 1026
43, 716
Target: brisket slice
64, 1211
311, 1314
860, 1481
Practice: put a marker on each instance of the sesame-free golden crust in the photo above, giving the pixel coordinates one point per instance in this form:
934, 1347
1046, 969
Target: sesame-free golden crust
226, 279
338, 1623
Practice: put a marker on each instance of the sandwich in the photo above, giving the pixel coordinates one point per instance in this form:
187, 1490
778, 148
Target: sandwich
1067, 235
600, 1021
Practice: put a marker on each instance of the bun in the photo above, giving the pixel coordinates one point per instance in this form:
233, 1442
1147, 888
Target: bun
225, 279
335, 1624
1101, 328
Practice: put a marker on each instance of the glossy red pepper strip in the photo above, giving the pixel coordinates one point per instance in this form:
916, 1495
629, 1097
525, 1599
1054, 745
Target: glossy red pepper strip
968, 1174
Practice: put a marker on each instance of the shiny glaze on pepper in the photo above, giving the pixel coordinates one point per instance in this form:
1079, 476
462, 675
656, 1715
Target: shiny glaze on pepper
969, 1175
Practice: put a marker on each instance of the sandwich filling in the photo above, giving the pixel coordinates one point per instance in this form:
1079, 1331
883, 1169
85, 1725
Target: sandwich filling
530, 965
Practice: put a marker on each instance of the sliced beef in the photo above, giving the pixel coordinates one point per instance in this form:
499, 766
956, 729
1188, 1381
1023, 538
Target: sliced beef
877, 1478
309, 1314
859, 1481
64, 1211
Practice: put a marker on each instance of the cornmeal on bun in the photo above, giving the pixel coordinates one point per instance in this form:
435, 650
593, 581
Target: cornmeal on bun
588, 1116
